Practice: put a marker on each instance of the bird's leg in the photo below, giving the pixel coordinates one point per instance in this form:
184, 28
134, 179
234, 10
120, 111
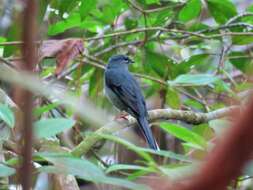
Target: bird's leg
122, 115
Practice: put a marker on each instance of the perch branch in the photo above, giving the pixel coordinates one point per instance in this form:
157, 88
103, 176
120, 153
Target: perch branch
154, 115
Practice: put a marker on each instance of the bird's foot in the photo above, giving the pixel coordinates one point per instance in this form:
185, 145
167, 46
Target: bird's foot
121, 116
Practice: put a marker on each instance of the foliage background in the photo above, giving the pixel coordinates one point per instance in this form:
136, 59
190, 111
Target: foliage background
193, 55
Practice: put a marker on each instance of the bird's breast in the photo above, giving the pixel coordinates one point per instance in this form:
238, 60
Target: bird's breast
113, 98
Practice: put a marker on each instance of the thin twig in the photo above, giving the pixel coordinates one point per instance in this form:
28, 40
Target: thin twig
122, 44
245, 14
135, 6
148, 11
5, 61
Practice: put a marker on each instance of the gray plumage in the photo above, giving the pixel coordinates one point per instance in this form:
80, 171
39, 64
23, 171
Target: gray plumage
125, 94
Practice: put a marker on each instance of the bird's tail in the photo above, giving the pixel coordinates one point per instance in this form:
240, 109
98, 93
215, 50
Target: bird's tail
143, 123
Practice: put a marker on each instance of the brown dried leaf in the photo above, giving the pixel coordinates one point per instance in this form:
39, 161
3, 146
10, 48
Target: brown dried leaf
64, 51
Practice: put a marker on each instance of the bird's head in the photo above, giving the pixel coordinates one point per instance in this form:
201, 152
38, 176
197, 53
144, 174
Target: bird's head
119, 61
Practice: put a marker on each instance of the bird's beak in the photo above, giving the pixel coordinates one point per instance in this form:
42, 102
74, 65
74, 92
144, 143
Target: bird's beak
131, 61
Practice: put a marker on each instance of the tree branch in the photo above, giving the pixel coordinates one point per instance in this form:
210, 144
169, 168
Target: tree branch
187, 34
25, 98
154, 115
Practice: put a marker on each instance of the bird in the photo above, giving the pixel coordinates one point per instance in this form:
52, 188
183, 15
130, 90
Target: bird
123, 91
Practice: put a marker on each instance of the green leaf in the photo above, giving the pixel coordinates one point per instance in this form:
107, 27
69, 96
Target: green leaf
194, 104
191, 145
167, 154
108, 11
190, 11
222, 11
148, 2
7, 115
241, 61
109, 14
116, 167
173, 98
184, 134
137, 174
222, 87
67, 6
195, 60
130, 23
250, 8
46, 128
72, 21
43, 109
143, 152
129, 145
6, 171
197, 26
84, 169
86, 7
194, 80
161, 17
242, 40
155, 62
204, 130
13, 34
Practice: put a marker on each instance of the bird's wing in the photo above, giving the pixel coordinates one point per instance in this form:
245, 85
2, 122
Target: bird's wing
128, 91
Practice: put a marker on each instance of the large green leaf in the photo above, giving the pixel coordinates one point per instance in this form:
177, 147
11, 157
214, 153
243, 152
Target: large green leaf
143, 152
6, 171
222, 11
46, 128
86, 7
83, 169
194, 80
67, 6
190, 11
72, 21
184, 134
7, 115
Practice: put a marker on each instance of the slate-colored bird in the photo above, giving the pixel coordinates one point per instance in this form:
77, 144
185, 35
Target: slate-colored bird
125, 94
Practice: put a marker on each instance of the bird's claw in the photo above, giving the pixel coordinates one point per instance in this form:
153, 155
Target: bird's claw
121, 116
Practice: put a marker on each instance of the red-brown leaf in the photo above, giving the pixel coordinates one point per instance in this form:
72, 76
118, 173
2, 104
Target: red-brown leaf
63, 50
